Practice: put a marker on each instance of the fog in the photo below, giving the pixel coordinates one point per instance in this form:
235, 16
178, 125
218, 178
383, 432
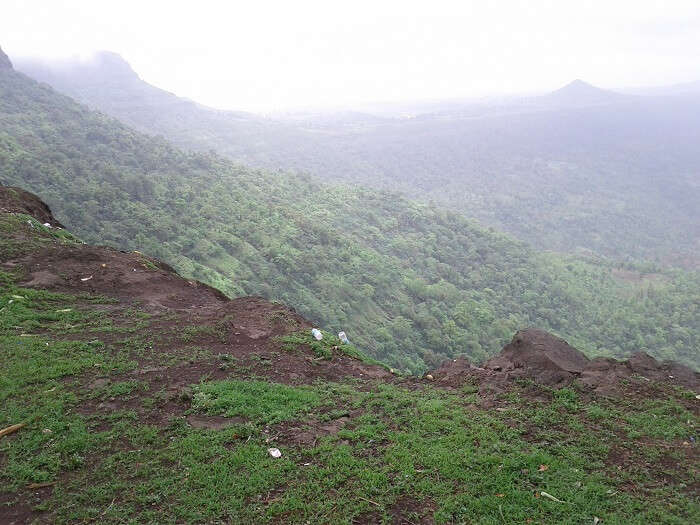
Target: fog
279, 55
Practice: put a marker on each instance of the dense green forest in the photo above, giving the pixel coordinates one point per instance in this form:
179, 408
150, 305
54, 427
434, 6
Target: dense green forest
410, 283
579, 170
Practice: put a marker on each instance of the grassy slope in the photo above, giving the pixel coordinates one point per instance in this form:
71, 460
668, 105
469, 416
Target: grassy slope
397, 451
411, 284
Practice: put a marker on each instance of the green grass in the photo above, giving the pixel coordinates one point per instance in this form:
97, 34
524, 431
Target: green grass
192, 333
325, 348
120, 388
33, 389
33, 236
435, 450
255, 400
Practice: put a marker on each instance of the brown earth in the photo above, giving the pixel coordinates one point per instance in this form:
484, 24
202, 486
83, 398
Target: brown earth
16, 200
548, 360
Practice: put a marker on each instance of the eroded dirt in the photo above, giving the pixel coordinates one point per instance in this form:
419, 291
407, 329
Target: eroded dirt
548, 360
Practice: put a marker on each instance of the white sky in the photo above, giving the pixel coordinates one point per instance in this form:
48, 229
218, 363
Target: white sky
264, 55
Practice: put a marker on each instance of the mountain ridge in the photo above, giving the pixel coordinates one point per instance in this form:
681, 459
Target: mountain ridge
563, 177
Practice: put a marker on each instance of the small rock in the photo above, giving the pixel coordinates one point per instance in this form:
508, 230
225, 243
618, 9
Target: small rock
429, 377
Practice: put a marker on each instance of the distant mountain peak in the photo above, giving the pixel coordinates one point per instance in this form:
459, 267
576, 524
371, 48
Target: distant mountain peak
579, 91
4, 60
112, 63
578, 83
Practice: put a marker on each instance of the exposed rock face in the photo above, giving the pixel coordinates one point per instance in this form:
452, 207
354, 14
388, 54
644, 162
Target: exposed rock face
540, 356
4, 61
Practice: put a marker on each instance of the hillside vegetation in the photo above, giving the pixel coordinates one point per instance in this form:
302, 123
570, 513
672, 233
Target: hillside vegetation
579, 170
409, 283
138, 396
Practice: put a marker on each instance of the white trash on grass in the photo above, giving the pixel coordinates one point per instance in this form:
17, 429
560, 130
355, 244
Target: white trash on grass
343, 338
274, 452
317, 334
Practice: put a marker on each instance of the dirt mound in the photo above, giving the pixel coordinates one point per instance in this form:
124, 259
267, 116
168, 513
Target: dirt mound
604, 375
451, 370
101, 270
540, 356
551, 361
16, 200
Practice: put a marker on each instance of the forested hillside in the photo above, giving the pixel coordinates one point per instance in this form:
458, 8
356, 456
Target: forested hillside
410, 283
580, 170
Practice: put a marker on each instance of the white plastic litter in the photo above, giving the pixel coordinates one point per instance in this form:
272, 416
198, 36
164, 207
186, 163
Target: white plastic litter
549, 496
47, 225
343, 338
86, 278
317, 334
274, 452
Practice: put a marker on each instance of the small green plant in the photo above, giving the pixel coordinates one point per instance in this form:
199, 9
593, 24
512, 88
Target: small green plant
567, 398
597, 413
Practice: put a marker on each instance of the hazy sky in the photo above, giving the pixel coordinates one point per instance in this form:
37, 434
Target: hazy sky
263, 55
